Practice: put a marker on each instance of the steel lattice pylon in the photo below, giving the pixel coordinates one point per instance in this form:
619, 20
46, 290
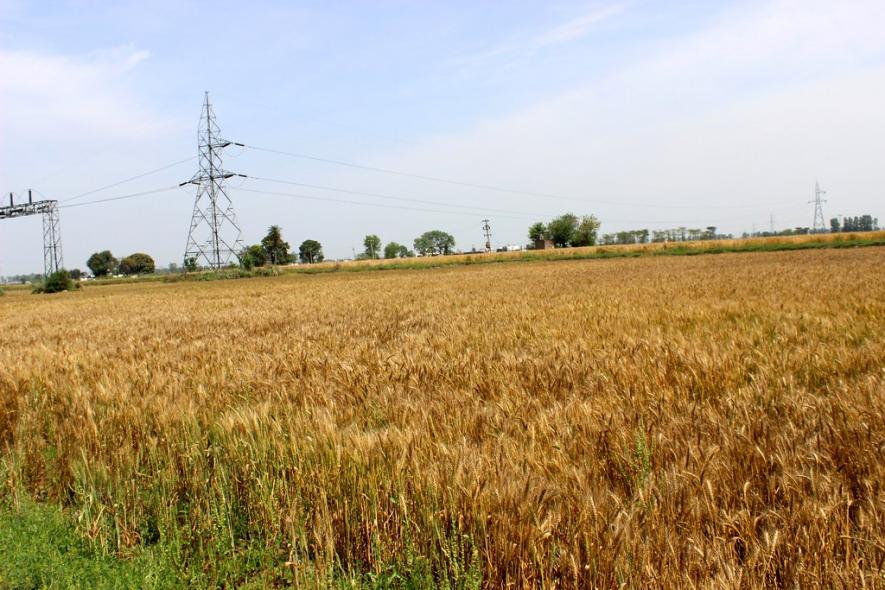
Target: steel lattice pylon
52, 259
213, 239
818, 209
487, 232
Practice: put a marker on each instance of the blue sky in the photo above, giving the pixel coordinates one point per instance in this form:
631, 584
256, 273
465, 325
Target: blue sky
647, 114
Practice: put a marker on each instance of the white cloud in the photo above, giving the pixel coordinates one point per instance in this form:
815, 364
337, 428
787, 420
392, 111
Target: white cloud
748, 111
576, 28
68, 94
71, 123
572, 30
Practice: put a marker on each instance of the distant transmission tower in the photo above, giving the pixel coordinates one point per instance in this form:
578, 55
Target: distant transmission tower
487, 231
52, 259
818, 209
214, 236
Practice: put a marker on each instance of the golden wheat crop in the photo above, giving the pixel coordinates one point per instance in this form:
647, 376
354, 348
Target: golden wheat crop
707, 422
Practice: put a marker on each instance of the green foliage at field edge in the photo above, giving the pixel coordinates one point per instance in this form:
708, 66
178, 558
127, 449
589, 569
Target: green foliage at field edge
40, 548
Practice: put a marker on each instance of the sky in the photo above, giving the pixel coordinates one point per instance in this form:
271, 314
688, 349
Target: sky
645, 113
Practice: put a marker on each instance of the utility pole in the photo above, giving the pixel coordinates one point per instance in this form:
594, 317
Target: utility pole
487, 232
52, 258
771, 223
818, 209
214, 236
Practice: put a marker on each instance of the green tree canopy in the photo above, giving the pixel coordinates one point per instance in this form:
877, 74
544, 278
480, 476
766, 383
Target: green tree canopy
253, 256
395, 250
137, 264
372, 244
276, 250
537, 231
404, 252
56, 282
585, 234
435, 242
102, 263
392, 250
310, 251
562, 229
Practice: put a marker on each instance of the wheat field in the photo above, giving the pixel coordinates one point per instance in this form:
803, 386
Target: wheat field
691, 422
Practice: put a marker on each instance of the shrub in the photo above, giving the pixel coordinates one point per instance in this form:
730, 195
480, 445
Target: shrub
136, 264
56, 282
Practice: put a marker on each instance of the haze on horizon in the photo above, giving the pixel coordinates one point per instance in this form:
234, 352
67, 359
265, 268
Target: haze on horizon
647, 114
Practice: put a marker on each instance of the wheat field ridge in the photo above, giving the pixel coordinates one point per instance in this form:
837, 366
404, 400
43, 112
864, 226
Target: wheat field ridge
704, 422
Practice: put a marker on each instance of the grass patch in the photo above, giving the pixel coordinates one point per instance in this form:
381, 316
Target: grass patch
40, 548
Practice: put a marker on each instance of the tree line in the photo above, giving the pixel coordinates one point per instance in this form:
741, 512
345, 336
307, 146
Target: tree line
676, 234
104, 263
273, 249
567, 230
859, 223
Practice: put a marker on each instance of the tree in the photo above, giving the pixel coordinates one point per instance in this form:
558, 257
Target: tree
136, 264
835, 226
404, 252
102, 263
562, 229
275, 249
310, 251
56, 282
76, 274
392, 250
434, 242
373, 246
253, 256
585, 234
537, 231
190, 264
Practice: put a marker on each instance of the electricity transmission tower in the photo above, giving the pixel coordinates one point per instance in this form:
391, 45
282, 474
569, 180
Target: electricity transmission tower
214, 236
52, 258
487, 231
818, 210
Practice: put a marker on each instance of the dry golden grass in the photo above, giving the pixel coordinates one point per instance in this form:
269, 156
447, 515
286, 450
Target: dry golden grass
709, 422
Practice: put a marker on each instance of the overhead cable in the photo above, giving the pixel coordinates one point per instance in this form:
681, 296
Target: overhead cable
496, 188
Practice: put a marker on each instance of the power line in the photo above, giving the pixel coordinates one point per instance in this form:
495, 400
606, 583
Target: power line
119, 198
493, 187
381, 205
511, 215
130, 179
395, 198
